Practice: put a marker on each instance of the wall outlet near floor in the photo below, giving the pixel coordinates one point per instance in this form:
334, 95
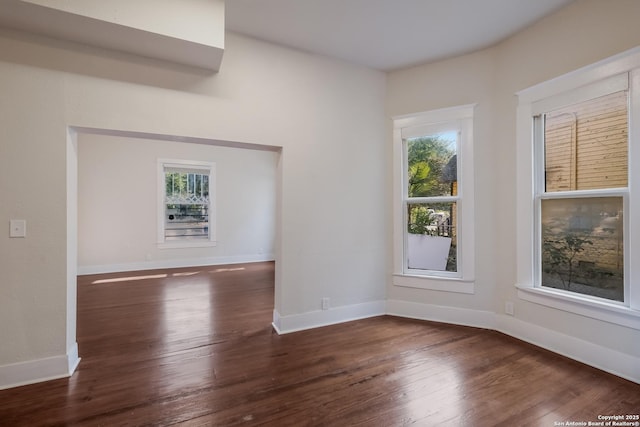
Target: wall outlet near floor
325, 303
508, 308
17, 228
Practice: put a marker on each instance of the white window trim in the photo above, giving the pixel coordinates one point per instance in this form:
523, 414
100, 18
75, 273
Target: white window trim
421, 124
210, 167
604, 76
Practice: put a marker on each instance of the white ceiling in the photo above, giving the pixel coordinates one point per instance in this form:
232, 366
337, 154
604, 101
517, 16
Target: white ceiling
380, 34
386, 34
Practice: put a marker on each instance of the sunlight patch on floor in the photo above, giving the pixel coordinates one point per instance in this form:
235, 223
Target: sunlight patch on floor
129, 278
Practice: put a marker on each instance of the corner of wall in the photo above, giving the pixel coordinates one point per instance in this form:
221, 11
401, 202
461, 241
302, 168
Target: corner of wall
35, 371
609, 360
315, 319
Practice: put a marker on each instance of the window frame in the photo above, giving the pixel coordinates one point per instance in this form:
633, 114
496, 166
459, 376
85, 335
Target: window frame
590, 82
199, 167
460, 120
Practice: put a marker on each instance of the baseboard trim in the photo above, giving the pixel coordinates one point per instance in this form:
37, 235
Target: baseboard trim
35, 371
443, 314
316, 319
173, 263
606, 359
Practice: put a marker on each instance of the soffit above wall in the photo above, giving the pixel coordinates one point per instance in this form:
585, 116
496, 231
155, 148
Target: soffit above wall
188, 32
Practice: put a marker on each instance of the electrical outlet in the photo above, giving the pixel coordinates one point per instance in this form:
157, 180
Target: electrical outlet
17, 228
508, 308
325, 303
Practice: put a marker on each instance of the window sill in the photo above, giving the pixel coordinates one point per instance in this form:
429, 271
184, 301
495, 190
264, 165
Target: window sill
444, 284
595, 309
186, 244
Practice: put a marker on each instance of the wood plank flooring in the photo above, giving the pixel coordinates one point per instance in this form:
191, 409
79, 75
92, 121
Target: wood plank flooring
195, 347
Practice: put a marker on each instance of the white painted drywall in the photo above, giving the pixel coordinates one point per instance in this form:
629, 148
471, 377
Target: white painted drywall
334, 199
454, 82
582, 33
188, 32
33, 287
327, 116
205, 17
117, 194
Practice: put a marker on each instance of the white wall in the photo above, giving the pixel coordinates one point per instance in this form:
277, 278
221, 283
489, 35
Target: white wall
327, 116
117, 192
580, 34
189, 32
205, 17
458, 81
333, 222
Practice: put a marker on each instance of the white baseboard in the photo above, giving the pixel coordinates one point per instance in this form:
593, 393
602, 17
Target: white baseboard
318, 318
617, 363
612, 361
444, 314
172, 263
35, 371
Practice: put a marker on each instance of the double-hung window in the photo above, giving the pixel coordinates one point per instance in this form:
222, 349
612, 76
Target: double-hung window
433, 190
578, 165
185, 203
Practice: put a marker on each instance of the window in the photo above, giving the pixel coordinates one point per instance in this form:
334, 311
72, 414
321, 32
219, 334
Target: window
433, 221
583, 183
576, 191
185, 202
431, 200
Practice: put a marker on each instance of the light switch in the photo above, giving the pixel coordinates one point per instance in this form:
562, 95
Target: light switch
18, 228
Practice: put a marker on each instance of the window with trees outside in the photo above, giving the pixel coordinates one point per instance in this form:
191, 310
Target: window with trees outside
434, 196
581, 192
185, 203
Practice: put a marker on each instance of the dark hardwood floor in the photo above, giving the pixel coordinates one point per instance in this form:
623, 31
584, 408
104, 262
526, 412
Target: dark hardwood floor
195, 347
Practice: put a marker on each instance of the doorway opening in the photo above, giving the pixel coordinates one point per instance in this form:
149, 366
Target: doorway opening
115, 232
